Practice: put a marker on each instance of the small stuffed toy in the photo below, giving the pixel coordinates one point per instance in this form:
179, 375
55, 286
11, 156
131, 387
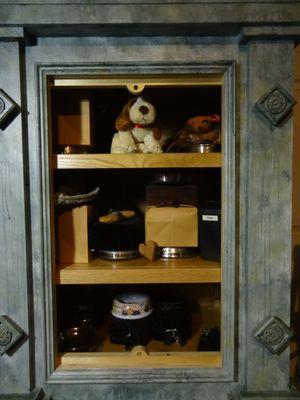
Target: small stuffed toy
200, 129
136, 130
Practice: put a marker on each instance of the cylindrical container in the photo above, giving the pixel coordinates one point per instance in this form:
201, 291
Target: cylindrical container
119, 240
172, 321
171, 189
78, 339
131, 320
203, 147
210, 232
177, 252
81, 314
209, 339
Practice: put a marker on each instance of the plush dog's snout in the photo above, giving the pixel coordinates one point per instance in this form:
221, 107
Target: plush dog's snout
144, 110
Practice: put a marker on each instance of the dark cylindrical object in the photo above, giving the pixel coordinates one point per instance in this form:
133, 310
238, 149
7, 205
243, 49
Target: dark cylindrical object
172, 321
210, 232
118, 237
130, 323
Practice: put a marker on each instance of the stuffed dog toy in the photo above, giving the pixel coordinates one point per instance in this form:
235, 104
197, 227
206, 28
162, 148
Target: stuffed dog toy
203, 128
136, 130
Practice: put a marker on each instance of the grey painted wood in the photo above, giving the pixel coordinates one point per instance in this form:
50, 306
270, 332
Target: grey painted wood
37, 394
241, 165
266, 212
263, 33
263, 179
142, 391
266, 396
14, 300
159, 13
77, 2
228, 225
110, 50
105, 54
11, 33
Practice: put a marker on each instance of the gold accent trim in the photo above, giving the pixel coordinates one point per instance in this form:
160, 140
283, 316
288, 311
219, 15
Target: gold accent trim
139, 81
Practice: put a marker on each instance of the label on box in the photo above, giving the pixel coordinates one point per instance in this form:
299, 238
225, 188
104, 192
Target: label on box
210, 218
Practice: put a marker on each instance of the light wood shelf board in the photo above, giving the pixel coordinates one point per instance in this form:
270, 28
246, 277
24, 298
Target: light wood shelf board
185, 80
165, 160
160, 354
128, 360
191, 270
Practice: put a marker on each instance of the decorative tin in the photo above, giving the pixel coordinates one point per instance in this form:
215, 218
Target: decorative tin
131, 318
118, 240
131, 306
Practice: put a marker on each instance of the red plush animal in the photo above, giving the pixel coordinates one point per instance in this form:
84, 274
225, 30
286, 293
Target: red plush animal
203, 128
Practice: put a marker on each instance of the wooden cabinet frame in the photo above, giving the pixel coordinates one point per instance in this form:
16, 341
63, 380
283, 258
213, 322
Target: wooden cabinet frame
225, 70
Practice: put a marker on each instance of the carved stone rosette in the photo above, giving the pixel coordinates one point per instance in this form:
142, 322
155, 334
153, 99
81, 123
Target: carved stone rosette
276, 105
10, 334
8, 109
273, 334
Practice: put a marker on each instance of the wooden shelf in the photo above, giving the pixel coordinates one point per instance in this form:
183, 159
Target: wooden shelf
190, 270
160, 354
77, 361
166, 160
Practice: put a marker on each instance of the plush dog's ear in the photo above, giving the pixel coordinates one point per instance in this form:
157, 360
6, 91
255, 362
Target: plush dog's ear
156, 133
123, 122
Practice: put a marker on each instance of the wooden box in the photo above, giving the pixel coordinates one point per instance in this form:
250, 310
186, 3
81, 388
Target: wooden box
73, 235
73, 122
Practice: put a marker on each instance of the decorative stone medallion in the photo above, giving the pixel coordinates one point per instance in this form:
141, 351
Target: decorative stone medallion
8, 109
276, 104
2, 106
273, 334
5, 335
10, 334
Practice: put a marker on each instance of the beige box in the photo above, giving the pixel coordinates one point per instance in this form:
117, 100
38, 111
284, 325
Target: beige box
172, 226
73, 235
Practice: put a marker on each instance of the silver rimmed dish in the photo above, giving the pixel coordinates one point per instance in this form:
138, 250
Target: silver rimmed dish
177, 252
120, 255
